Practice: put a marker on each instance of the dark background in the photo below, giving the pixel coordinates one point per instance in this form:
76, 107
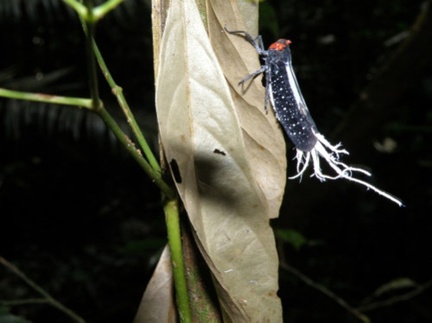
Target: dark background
79, 217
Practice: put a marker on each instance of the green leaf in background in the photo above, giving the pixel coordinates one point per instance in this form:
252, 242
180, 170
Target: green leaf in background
292, 237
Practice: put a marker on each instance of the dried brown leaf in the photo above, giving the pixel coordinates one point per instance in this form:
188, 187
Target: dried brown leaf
204, 141
157, 303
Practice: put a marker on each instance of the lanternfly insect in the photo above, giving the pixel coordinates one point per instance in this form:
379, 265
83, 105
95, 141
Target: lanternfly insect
283, 91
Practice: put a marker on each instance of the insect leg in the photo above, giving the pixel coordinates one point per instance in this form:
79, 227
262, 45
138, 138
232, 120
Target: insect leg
256, 42
253, 75
263, 69
259, 47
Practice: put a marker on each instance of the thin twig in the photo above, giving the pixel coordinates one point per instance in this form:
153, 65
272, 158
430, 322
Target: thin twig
396, 299
25, 301
94, 52
101, 10
118, 92
50, 300
136, 154
325, 291
48, 98
91, 61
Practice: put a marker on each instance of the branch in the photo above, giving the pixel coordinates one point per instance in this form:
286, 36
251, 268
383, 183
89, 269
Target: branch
48, 98
172, 216
396, 299
355, 312
48, 298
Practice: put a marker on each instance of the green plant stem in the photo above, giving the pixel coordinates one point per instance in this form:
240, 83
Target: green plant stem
89, 16
41, 291
101, 10
93, 53
108, 119
171, 202
175, 243
136, 153
95, 14
91, 62
78, 7
41, 97
118, 92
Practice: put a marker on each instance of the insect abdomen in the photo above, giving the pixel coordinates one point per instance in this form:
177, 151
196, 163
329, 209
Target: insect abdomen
294, 117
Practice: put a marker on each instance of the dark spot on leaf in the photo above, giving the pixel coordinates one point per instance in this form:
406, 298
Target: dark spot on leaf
219, 152
175, 171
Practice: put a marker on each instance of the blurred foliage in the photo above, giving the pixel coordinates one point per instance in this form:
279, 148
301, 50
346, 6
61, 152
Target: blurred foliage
292, 237
80, 218
6, 316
